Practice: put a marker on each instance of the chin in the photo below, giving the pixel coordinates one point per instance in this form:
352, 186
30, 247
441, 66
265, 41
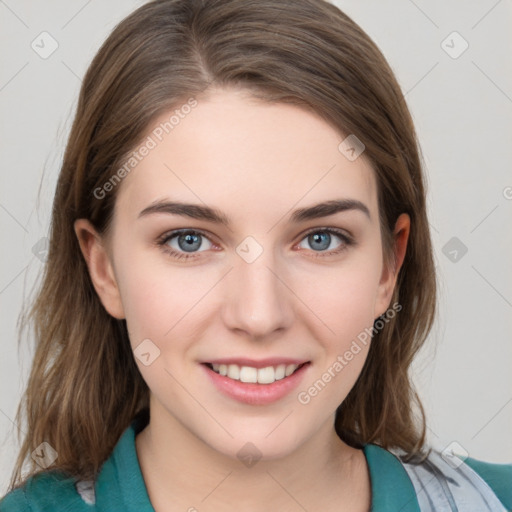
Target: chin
258, 442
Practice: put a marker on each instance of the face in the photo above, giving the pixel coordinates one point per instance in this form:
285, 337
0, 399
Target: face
252, 280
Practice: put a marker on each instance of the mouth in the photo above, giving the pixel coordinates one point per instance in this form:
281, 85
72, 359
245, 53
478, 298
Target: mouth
256, 382
253, 374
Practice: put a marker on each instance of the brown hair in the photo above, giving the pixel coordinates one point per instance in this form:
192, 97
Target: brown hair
84, 387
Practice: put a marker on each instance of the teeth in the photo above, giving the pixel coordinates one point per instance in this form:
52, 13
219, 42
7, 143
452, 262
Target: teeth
234, 371
290, 369
266, 375
280, 372
248, 374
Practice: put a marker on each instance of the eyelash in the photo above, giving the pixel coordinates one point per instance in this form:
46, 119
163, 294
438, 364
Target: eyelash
162, 242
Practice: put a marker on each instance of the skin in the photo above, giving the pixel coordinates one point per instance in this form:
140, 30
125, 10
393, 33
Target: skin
256, 162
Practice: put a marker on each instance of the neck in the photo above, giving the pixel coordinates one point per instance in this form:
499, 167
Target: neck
182, 470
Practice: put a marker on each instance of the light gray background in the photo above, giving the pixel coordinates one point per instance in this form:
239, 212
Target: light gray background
462, 108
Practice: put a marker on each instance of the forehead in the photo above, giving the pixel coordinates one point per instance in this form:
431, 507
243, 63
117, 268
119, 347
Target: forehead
242, 155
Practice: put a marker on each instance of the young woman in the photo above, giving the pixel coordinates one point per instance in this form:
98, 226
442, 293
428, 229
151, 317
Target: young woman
239, 276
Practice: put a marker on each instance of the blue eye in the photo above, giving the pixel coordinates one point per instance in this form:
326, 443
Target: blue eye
321, 240
179, 243
186, 243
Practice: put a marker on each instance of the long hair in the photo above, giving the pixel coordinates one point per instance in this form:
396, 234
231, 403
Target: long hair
84, 388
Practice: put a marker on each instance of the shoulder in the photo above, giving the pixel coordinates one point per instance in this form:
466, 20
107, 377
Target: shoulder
451, 479
48, 490
118, 482
437, 481
497, 476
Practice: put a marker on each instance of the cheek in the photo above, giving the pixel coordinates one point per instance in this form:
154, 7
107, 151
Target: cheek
343, 300
160, 301
157, 304
341, 296
147, 306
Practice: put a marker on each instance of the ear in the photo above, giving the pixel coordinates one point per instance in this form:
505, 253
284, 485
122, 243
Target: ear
100, 267
390, 272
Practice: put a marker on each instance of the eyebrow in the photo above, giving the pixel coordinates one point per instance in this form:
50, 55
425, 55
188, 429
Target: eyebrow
202, 212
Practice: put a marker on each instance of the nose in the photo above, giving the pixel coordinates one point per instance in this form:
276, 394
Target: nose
258, 302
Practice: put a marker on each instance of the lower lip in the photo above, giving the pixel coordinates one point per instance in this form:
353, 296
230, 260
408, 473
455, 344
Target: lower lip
256, 394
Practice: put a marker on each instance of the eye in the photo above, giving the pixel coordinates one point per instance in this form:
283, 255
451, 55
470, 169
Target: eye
184, 243
324, 241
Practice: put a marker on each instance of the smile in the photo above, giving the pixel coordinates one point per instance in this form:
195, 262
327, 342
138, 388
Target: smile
249, 374
256, 382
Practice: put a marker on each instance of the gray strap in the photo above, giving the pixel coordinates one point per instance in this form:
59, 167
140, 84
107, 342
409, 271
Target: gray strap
443, 485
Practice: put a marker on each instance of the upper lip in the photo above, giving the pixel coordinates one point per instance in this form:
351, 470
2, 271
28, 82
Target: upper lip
256, 363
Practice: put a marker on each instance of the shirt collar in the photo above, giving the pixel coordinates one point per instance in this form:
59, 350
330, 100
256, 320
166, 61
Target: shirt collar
392, 489
120, 484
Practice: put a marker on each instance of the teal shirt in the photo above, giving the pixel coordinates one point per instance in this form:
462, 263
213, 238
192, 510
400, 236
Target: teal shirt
120, 486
